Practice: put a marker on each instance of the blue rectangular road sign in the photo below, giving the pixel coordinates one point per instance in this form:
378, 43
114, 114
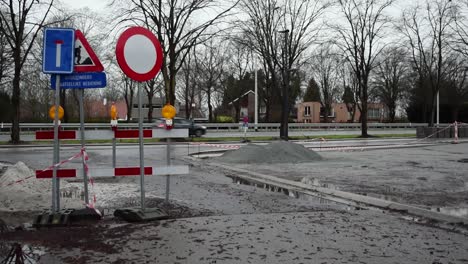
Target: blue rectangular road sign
58, 50
81, 80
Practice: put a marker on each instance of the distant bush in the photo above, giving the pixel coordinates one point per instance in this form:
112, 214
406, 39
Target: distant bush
224, 119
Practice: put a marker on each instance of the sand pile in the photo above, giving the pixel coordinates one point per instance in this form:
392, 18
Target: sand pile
276, 152
21, 191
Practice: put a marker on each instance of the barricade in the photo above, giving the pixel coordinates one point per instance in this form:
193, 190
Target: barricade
113, 171
443, 132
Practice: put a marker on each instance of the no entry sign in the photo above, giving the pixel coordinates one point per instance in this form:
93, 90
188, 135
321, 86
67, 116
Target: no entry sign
139, 54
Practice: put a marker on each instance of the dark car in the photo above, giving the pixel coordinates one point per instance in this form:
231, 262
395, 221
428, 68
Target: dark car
194, 128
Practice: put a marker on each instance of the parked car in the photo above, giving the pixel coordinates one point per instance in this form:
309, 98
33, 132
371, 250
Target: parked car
194, 128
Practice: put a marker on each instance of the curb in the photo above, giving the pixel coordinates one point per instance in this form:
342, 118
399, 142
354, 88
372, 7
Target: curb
341, 196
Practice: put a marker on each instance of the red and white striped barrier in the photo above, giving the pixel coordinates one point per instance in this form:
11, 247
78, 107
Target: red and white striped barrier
115, 172
110, 134
48, 171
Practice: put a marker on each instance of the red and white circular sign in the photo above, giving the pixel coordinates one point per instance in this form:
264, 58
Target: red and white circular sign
139, 54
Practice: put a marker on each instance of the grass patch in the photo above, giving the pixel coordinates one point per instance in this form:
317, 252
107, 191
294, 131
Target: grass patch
355, 136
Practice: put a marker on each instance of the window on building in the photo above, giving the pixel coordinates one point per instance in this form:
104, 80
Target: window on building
373, 113
307, 111
331, 114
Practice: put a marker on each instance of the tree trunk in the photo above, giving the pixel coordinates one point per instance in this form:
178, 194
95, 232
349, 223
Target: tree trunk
364, 113
353, 113
15, 101
128, 108
150, 109
432, 109
392, 115
455, 111
210, 108
187, 109
63, 95
326, 114
267, 113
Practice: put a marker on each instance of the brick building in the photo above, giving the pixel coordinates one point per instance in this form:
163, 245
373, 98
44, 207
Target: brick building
310, 112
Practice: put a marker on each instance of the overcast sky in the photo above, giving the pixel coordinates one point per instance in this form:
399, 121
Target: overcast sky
96, 5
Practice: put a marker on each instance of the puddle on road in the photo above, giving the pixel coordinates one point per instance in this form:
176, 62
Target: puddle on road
317, 199
453, 211
11, 253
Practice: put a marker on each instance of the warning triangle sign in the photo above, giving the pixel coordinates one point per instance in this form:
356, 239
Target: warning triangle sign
85, 58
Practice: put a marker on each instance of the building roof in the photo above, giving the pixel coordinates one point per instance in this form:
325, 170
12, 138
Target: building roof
246, 93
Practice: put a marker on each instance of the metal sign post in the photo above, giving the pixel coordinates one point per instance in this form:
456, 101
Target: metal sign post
140, 56
57, 59
82, 131
55, 180
168, 162
114, 152
142, 162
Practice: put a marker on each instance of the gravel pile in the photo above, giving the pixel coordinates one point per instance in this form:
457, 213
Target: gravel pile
276, 152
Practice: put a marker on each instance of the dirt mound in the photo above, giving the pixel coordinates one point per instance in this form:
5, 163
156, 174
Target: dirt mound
20, 190
276, 152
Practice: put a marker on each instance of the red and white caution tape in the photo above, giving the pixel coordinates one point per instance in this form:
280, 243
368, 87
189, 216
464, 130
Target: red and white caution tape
92, 203
78, 155
224, 146
47, 169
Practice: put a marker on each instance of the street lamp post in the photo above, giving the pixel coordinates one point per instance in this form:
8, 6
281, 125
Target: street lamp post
191, 110
438, 110
285, 112
256, 97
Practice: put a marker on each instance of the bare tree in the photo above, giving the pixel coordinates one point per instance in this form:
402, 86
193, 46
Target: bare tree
461, 26
428, 37
239, 77
280, 31
21, 27
36, 96
177, 29
351, 89
456, 84
391, 79
210, 70
5, 61
151, 88
129, 87
359, 38
187, 90
326, 70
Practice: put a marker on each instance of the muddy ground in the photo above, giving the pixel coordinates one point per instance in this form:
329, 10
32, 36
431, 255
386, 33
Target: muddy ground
433, 176
217, 221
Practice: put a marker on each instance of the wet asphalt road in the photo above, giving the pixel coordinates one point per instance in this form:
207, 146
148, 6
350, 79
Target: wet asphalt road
248, 224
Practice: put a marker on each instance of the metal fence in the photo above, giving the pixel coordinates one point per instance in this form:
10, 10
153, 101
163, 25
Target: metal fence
220, 127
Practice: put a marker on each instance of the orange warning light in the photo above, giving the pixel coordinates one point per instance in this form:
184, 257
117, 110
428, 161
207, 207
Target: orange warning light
52, 112
113, 112
168, 111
